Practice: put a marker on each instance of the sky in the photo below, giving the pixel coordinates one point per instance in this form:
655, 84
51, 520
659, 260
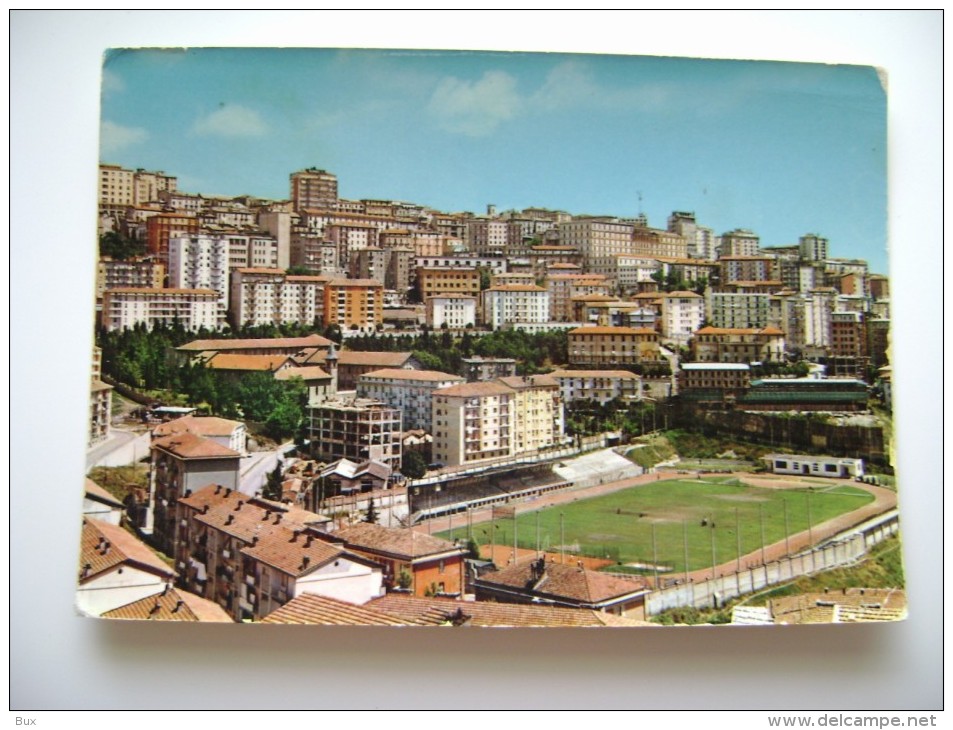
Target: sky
782, 149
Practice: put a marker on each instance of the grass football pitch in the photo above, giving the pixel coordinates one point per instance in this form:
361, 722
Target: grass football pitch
693, 516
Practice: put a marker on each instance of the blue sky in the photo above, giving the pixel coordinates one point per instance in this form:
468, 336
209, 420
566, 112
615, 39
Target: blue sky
780, 148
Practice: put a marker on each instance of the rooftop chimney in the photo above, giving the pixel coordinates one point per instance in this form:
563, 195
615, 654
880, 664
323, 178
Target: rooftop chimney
239, 505
178, 605
266, 515
304, 562
230, 519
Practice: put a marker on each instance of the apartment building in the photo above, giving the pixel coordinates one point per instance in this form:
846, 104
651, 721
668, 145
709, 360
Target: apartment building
597, 347
473, 423
563, 287
456, 311
181, 464
410, 391
731, 310
655, 242
359, 429
597, 239
515, 303
601, 386
120, 188
631, 272
492, 237
746, 268
199, 262
129, 274
738, 345
354, 303
538, 415
100, 402
251, 556
812, 247
313, 188
683, 312
433, 281
739, 242
478, 368
161, 227
270, 296
190, 308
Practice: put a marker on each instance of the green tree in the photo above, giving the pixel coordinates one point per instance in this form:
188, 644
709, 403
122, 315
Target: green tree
370, 516
414, 466
272, 488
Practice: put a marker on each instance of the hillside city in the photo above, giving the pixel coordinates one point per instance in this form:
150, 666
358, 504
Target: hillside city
329, 411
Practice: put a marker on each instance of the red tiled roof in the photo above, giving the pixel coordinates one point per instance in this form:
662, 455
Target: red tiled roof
223, 345
245, 517
739, 331
96, 492
173, 605
472, 390
264, 363
205, 426
294, 554
621, 374
596, 330
441, 611
190, 446
382, 359
402, 374
399, 542
568, 582
308, 372
104, 547
311, 609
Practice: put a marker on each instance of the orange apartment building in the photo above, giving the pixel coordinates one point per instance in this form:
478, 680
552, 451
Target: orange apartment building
354, 303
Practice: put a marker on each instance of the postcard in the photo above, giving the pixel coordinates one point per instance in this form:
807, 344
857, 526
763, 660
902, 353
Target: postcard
405, 338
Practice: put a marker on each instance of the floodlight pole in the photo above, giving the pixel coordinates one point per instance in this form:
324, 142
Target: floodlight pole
761, 517
738, 537
562, 539
685, 546
655, 555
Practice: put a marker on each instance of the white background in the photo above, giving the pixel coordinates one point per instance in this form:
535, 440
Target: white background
59, 661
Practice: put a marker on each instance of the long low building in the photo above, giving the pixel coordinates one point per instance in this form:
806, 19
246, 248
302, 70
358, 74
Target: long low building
818, 466
193, 309
601, 386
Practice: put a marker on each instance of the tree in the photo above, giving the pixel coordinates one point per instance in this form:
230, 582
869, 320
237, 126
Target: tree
272, 489
370, 516
413, 465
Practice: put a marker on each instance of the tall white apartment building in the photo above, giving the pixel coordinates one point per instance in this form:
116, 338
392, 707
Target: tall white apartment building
512, 303
456, 311
409, 391
190, 308
682, 313
270, 296
199, 262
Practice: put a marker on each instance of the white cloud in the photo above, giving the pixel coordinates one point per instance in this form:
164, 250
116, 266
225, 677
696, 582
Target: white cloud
475, 108
114, 138
231, 121
112, 82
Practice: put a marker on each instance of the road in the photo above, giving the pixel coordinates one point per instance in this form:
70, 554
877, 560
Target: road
120, 449
256, 466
